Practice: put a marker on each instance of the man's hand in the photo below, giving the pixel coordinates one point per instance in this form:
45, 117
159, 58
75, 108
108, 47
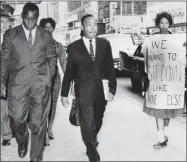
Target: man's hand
110, 97
3, 90
65, 101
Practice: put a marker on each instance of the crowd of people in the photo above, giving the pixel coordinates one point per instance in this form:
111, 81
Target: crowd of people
31, 83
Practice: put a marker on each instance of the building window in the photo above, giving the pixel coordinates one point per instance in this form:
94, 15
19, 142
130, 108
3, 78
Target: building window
144, 8
106, 11
85, 2
118, 8
101, 14
127, 8
140, 7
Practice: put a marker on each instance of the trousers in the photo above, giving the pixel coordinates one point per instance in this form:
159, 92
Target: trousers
31, 101
6, 132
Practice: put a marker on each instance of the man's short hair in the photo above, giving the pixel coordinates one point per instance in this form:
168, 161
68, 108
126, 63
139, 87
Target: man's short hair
30, 7
84, 17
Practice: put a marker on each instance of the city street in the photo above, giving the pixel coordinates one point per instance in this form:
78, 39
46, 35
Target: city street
127, 134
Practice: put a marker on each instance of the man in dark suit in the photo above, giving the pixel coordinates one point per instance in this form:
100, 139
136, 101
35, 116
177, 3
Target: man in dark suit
6, 19
89, 62
28, 62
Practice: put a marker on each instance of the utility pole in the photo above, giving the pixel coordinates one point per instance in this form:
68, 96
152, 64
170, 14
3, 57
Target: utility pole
47, 9
121, 15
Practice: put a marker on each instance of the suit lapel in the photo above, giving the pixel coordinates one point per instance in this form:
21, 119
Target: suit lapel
22, 36
83, 47
84, 50
37, 39
97, 48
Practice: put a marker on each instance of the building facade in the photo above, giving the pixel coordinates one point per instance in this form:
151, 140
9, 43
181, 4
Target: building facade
76, 10
177, 11
122, 16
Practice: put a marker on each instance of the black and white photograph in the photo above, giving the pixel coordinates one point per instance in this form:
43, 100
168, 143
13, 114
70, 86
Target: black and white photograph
91, 80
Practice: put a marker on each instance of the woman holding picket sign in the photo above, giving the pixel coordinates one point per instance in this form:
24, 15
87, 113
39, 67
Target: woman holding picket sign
162, 113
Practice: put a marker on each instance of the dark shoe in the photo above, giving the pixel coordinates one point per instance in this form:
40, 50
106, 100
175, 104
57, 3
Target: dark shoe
51, 137
94, 159
87, 149
46, 144
50, 134
6, 142
160, 145
166, 138
93, 155
23, 149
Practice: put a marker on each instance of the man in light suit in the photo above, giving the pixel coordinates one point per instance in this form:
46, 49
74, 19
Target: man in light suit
28, 62
89, 62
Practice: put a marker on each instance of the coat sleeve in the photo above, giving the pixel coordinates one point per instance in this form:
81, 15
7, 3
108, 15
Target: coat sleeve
5, 58
110, 72
68, 75
62, 57
50, 54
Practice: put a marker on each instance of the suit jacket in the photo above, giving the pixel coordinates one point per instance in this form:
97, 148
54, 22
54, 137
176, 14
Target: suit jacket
88, 74
18, 60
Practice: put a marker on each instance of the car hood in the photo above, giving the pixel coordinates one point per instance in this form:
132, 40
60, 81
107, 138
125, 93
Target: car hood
116, 49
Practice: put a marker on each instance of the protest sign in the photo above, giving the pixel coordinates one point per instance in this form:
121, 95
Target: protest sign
166, 59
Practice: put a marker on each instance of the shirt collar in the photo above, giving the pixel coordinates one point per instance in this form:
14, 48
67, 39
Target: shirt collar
88, 40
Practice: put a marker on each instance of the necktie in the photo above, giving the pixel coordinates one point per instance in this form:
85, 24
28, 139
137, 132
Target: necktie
91, 50
30, 40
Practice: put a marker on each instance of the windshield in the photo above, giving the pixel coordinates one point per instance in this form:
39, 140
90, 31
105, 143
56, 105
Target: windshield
121, 41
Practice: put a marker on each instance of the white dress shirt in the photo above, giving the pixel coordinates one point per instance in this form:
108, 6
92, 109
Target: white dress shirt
33, 32
87, 44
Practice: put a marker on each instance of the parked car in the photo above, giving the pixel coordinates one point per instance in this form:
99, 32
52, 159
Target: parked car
135, 65
120, 42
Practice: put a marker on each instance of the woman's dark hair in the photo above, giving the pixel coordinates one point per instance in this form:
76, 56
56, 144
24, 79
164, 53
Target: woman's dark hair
47, 20
30, 7
161, 15
42, 23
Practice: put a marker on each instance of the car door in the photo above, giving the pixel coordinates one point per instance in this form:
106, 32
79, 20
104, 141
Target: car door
126, 54
137, 67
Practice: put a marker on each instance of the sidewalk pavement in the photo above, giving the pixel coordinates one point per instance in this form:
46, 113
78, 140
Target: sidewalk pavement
127, 134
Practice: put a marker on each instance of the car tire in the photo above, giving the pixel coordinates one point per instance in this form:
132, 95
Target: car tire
133, 83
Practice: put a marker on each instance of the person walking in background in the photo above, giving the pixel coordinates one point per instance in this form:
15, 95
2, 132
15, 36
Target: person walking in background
6, 132
89, 62
28, 64
163, 21
49, 25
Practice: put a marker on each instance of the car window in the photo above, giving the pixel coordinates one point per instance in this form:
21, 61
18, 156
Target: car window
138, 52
